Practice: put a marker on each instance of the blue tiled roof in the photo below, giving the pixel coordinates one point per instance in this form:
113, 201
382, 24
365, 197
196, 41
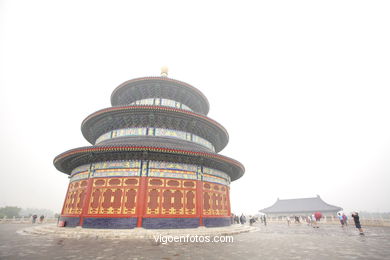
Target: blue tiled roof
300, 205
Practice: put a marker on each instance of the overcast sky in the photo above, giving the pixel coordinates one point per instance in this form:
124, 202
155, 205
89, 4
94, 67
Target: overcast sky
302, 87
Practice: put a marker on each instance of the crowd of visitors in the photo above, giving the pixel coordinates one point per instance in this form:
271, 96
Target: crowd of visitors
312, 220
35, 217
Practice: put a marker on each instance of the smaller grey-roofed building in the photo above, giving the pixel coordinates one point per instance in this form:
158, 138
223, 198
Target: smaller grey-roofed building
300, 207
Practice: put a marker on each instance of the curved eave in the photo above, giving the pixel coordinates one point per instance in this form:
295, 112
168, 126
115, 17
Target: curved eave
330, 205
115, 114
203, 106
71, 159
155, 141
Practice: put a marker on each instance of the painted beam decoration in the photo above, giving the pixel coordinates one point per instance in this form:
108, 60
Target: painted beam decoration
177, 180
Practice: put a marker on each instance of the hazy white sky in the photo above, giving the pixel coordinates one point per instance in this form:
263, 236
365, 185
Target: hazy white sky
302, 87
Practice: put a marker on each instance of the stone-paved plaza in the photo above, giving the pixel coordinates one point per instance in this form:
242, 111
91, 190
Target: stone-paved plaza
275, 241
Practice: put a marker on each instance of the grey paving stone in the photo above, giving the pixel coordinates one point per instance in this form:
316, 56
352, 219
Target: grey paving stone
272, 242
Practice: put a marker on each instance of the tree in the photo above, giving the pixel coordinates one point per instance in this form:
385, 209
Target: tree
9, 212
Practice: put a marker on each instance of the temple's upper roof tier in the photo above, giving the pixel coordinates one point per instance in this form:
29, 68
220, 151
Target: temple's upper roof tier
160, 87
71, 159
106, 120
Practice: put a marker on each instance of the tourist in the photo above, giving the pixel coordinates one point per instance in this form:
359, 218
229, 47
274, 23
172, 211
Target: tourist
314, 221
251, 220
265, 220
34, 218
242, 219
236, 219
308, 220
345, 219
288, 221
341, 219
41, 218
355, 217
317, 216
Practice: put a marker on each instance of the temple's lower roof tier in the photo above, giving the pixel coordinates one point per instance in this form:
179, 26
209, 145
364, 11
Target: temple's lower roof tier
160, 87
113, 118
71, 159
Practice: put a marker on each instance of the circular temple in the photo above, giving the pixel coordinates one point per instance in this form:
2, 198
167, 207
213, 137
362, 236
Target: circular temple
153, 162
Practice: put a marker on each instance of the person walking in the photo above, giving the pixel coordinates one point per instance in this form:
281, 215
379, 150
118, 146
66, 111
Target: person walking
356, 219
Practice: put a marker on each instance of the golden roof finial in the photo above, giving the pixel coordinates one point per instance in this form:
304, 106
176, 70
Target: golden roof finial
164, 71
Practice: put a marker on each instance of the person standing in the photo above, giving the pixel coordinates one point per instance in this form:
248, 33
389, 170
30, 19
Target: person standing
251, 220
308, 220
313, 221
356, 219
345, 219
34, 218
242, 219
317, 217
341, 219
236, 219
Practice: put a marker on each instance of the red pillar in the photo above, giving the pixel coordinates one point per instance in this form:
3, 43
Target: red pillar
199, 201
141, 200
228, 200
66, 197
87, 199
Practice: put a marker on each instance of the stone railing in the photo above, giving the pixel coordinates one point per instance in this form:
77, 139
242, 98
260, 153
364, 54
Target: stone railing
335, 221
25, 220
276, 220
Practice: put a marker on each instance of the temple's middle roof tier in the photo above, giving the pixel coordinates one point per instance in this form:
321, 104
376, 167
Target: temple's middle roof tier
125, 135
160, 87
113, 118
169, 143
